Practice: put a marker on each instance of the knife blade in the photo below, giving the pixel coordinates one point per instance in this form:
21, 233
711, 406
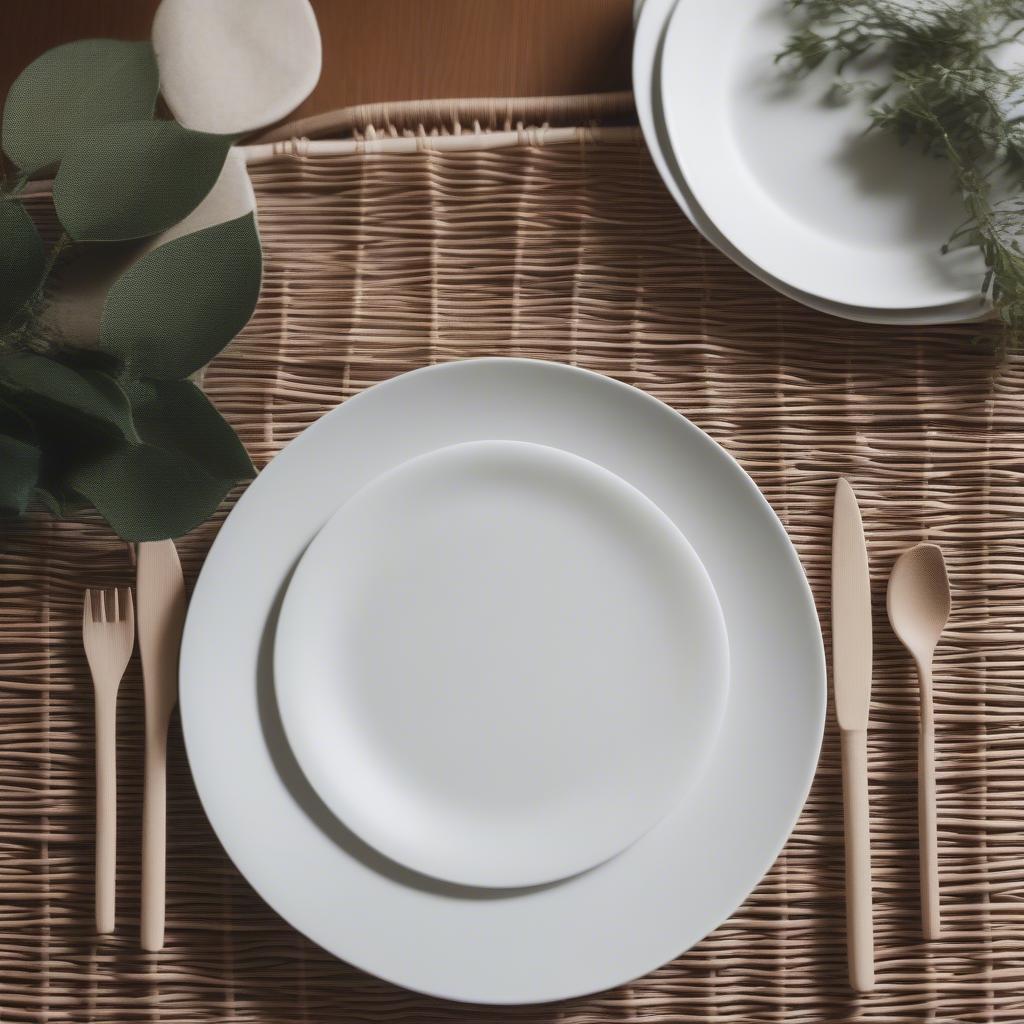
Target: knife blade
851, 684
160, 592
851, 612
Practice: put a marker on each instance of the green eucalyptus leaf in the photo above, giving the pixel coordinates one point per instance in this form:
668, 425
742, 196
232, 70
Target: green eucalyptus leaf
19, 470
19, 445
12, 421
176, 416
132, 180
77, 287
148, 493
82, 358
43, 386
71, 89
171, 312
53, 493
22, 258
58, 501
53, 503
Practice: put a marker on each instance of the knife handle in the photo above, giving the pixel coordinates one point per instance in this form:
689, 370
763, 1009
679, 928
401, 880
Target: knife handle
154, 839
860, 940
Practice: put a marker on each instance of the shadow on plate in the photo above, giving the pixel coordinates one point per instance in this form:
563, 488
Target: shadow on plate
319, 813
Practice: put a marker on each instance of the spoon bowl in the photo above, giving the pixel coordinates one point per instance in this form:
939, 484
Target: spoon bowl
918, 600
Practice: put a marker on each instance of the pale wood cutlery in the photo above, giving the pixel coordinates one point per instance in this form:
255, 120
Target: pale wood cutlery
918, 607
918, 604
851, 680
161, 597
108, 633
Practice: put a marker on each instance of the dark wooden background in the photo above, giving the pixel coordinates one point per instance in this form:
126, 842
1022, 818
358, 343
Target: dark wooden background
390, 49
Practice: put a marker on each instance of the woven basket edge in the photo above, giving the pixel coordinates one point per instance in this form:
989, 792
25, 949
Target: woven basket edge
453, 115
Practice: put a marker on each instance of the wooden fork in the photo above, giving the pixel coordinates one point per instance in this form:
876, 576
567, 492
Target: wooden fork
108, 632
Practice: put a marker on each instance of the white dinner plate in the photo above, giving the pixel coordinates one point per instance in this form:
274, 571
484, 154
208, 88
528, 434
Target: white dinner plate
794, 182
500, 664
597, 929
648, 41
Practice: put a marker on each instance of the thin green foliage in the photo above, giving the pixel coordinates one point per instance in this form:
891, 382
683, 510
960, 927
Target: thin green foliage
932, 71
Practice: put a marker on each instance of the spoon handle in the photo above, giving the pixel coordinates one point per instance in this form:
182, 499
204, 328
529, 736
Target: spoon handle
928, 842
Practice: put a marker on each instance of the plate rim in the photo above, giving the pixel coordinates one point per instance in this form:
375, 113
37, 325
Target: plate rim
651, 26
686, 160
194, 626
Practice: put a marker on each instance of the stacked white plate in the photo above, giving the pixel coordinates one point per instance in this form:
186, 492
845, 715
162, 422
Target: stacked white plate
788, 185
503, 682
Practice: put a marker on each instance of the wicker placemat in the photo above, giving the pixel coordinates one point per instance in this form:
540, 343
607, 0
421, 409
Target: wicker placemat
568, 248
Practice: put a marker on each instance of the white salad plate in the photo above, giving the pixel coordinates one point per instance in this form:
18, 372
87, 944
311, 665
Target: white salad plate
795, 182
583, 934
652, 19
500, 664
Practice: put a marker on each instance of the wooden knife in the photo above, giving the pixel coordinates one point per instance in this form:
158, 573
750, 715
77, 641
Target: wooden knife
851, 682
160, 596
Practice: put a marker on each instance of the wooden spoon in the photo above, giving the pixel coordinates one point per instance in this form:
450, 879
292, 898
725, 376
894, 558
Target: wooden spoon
918, 604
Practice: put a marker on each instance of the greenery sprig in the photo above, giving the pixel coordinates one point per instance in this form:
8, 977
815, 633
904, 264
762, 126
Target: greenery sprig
118, 425
931, 72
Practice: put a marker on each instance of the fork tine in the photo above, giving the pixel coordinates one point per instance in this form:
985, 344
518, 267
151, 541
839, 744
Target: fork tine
117, 611
87, 608
128, 607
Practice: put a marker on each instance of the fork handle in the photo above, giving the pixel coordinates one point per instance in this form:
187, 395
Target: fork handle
154, 838
106, 810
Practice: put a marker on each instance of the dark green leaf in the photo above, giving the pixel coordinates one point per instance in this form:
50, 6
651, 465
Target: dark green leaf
177, 307
72, 88
19, 468
77, 288
13, 422
58, 502
39, 384
176, 416
148, 493
81, 358
135, 179
51, 502
22, 258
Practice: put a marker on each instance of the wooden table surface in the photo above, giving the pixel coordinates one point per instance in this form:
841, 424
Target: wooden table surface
377, 50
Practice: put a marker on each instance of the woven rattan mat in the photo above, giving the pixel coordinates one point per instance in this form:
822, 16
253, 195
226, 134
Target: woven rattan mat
565, 249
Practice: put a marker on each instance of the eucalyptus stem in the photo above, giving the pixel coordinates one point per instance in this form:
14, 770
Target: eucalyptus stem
63, 243
23, 331
17, 185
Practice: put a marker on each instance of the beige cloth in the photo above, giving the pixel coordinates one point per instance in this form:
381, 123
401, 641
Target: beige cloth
232, 66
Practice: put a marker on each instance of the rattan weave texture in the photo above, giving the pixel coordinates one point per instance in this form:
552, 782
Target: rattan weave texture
381, 262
